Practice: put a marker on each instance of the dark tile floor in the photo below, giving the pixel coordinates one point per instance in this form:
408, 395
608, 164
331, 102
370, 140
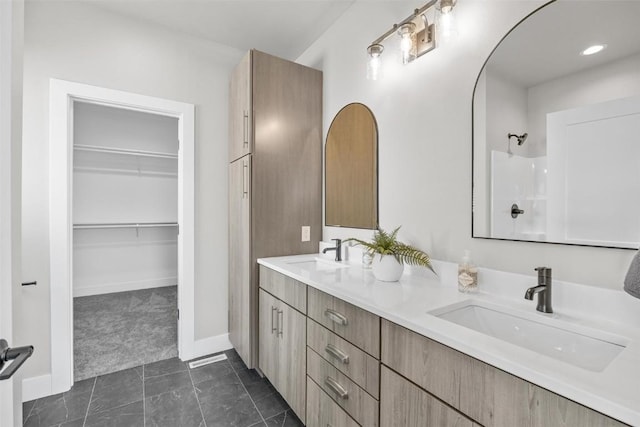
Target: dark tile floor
167, 393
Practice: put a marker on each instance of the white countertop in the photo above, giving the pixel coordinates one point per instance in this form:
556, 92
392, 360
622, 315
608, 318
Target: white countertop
614, 391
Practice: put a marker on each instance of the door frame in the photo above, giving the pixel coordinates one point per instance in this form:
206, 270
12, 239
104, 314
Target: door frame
11, 14
62, 95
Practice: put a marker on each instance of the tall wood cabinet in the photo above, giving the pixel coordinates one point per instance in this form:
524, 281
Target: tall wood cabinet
275, 178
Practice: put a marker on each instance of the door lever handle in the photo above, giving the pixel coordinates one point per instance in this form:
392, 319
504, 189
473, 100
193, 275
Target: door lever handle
17, 356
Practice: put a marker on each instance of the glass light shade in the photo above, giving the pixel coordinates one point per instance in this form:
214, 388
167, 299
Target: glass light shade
374, 64
407, 42
374, 69
448, 25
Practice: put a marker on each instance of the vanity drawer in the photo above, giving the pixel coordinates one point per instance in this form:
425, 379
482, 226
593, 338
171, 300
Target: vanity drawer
404, 404
360, 367
358, 403
322, 411
284, 288
350, 322
484, 393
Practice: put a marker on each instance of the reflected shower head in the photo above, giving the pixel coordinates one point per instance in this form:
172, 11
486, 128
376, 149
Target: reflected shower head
520, 138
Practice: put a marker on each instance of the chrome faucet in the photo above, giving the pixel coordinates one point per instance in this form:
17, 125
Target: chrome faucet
543, 290
337, 248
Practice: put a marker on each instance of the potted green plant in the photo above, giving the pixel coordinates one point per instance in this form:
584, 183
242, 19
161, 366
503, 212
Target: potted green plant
390, 255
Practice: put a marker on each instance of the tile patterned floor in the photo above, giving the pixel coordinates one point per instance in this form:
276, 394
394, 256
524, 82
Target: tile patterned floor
167, 393
140, 324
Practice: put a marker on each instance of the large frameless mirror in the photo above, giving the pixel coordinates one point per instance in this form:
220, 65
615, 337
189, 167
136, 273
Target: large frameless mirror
556, 128
351, 169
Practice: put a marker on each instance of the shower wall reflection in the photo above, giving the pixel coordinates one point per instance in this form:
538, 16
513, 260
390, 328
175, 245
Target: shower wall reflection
576, 173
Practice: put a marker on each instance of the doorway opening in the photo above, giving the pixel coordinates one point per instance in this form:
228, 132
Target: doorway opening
122, 230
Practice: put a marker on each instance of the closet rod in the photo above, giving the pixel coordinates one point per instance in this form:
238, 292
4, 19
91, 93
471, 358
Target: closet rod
126, 225
99, 149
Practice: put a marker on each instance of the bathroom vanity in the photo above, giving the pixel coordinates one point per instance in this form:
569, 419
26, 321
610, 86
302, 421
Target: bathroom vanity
344, 349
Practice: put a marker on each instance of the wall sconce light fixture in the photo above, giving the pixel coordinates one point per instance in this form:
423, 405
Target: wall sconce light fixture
417, 37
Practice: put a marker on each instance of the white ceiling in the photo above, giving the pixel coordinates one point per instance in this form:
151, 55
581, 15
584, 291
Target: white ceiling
548, 44
282, 28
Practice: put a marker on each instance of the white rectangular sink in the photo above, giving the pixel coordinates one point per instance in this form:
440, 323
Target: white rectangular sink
318, 264
589, 349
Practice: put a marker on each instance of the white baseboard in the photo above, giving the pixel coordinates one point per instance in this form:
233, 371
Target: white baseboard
211, 345
109, 288
36, 387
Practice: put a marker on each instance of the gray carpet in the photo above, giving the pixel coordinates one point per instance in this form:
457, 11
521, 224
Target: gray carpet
113, 332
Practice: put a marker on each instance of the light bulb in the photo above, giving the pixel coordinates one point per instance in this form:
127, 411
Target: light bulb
407, 42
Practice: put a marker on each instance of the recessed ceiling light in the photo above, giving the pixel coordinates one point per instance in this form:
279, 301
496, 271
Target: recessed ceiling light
593, 49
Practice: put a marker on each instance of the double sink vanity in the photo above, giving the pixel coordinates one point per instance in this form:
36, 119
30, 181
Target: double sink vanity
344, 349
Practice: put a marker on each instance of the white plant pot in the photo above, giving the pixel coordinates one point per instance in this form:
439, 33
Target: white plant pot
386, 268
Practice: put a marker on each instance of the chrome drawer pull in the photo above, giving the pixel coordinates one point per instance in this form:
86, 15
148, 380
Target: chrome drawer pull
245, 128
336, 317
336, 388
273, 327
336, 353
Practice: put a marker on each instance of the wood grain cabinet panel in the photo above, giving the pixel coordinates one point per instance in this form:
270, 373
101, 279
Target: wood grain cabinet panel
282, 355
268, 333
240, 114
354, 324
403, 404
361, 406
281, 182
322, 411
361, 367
284, 288
240, 297
482, 392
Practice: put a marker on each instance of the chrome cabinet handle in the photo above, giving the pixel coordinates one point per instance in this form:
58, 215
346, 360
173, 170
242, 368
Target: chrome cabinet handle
273, 327
280, 322
336, 317
336, 353
245, 180
245, 128
336, 388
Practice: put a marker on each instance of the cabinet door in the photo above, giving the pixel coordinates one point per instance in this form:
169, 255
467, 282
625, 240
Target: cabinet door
402, 404
240, 112
268, 341
240, 304
292, 358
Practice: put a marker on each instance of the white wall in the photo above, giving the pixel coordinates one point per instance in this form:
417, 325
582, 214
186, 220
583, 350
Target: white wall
124, 188
423, 112
615, 80
506, 113
78, 42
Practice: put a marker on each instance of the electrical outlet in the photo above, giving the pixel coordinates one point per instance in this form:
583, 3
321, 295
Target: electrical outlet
306, 233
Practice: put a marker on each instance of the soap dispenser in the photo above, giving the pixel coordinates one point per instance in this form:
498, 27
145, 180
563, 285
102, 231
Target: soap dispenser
467, 274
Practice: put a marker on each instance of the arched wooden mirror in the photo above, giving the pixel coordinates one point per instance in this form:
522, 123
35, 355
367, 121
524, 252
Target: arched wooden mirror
351, 169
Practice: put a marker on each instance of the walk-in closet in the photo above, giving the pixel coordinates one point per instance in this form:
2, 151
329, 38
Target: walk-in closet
125, 231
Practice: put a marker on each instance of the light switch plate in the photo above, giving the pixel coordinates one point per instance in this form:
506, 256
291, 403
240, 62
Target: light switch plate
306, 233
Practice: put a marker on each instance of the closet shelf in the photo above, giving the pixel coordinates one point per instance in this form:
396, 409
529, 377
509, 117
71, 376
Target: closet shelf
125, 225
99, 149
